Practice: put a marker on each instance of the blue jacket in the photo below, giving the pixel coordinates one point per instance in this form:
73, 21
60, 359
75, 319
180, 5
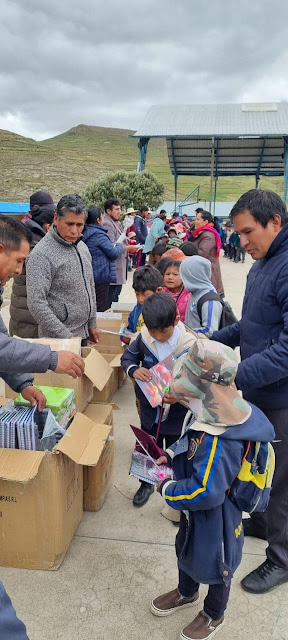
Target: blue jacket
134, 317
140, 229
103, 253
262, 333
141, 352
205, 467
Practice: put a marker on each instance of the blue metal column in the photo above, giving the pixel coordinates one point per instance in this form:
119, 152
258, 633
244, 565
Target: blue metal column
175, 172
285, 168
142, 151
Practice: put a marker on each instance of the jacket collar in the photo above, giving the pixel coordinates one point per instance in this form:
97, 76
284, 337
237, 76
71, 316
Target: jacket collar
56, 236
279, 243
184, 342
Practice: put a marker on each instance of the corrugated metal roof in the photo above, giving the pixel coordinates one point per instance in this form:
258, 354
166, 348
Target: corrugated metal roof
14, 207
215, 120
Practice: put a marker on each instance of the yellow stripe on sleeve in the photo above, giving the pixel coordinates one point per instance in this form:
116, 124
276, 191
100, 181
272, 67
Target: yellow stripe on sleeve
194, 494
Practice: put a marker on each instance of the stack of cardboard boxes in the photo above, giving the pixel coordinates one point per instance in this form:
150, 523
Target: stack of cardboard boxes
43, 493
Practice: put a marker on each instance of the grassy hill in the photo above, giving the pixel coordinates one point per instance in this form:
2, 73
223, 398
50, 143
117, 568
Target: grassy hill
74, 159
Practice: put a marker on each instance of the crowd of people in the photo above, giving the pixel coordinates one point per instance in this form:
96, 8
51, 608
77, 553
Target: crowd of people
68, 261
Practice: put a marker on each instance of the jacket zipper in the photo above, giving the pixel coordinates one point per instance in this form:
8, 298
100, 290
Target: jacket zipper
85, 283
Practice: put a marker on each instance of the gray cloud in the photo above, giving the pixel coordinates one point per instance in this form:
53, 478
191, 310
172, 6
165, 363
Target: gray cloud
105, 63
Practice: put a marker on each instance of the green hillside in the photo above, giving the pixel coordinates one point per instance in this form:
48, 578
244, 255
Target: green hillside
74, 159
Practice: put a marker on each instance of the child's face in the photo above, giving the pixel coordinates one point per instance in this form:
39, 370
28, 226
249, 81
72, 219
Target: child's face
172, 278
162, 335
141, 296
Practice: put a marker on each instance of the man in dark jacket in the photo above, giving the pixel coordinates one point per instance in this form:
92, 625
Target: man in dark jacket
141, 232
260, 217
17, 358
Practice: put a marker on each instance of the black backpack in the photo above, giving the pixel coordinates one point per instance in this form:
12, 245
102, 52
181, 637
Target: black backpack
227, 317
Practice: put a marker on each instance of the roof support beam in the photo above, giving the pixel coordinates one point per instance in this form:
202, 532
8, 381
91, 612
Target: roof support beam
257, 176
174, 171
142, 151
212, 171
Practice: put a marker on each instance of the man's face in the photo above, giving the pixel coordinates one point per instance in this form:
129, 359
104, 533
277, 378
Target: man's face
255, 238
11, 262
71, 226
115, 212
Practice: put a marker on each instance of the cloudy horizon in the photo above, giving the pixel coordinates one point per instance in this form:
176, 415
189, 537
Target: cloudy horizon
105, 64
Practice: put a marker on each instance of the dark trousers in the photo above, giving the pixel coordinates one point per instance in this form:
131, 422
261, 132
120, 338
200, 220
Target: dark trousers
102, 292
10, 626
113, 294
274, 522
217, 597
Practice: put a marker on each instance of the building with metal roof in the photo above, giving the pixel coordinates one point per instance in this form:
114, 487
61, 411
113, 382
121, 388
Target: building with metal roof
220, 140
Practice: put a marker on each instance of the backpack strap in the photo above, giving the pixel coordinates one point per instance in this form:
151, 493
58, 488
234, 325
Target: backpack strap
207, 296
243, 460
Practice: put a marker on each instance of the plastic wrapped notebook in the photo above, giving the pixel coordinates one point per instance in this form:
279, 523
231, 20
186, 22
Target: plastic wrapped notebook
144, 469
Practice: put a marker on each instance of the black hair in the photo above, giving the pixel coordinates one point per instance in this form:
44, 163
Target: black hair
44, 215
184, 215
159, 311
263, 206
163, 211
175, 214
174, 263
163, 264
189, 248
199, 210
144, 208
12, 233
207, 216
159, 249
72, 202
94, 213
163, 215
171, 229
146, 278
110, 203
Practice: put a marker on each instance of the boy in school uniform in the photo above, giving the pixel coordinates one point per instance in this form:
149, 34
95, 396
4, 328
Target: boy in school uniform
162, 335
206, 461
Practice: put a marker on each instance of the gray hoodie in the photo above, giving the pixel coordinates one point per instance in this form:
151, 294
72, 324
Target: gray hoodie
196, 276
60, 287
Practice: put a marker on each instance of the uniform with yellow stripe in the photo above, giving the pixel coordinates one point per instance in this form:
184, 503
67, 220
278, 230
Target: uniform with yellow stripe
205, 467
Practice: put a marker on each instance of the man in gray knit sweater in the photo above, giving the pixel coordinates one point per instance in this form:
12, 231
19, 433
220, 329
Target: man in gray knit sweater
59, 277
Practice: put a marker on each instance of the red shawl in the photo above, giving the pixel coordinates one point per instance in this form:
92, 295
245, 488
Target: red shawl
208, 227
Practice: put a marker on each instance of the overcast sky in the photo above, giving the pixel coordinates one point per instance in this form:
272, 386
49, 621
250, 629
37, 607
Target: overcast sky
105, 63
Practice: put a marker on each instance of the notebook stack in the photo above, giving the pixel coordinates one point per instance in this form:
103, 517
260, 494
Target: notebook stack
61, 402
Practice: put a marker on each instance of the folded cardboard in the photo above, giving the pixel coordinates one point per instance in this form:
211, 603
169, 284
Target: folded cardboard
124, 308
109, 342
113, 384
97, 374
98, 479
41, 496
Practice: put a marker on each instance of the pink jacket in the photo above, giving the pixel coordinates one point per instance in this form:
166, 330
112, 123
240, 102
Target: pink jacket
181, 300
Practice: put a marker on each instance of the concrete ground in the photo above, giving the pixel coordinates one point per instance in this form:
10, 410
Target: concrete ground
122, 557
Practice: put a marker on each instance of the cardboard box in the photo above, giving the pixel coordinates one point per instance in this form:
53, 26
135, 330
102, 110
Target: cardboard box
41, 496
109, 342
97, 480
124, 308
97, 374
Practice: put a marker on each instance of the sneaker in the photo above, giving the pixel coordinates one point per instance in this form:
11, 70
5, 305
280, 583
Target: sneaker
202, 627
169, 602
265, 578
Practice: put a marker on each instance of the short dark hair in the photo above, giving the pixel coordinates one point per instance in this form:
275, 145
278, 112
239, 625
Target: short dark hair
159, 249
199, 210
94, 213
163, 264
12, 233
144, 208
175, 214
163, 211
174, 263
110, 203
159, 311
172, 229
263, 206
163, 215
189, 248
146, 278
184, 215
72, 202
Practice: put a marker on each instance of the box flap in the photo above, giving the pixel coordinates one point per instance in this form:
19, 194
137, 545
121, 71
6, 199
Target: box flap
116, 362
98, 412
18, 465
84, 441
122, 306
97, 369
58, 344
111, 322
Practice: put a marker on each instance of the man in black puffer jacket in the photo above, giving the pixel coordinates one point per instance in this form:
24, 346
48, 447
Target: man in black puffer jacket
260, 217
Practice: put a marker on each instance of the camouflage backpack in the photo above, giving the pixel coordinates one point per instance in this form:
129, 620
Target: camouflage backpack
252, 487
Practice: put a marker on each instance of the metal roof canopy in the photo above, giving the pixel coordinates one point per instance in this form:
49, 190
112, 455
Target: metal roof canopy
220, 140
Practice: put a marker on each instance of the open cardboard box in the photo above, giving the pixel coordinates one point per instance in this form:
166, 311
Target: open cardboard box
97, 480
41, 495
124, 308
98, 372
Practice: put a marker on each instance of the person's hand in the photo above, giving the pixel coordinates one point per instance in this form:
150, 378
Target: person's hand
93, 336
142, 374
131, 248
70, 363
170, 399
162, 460
34, 396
